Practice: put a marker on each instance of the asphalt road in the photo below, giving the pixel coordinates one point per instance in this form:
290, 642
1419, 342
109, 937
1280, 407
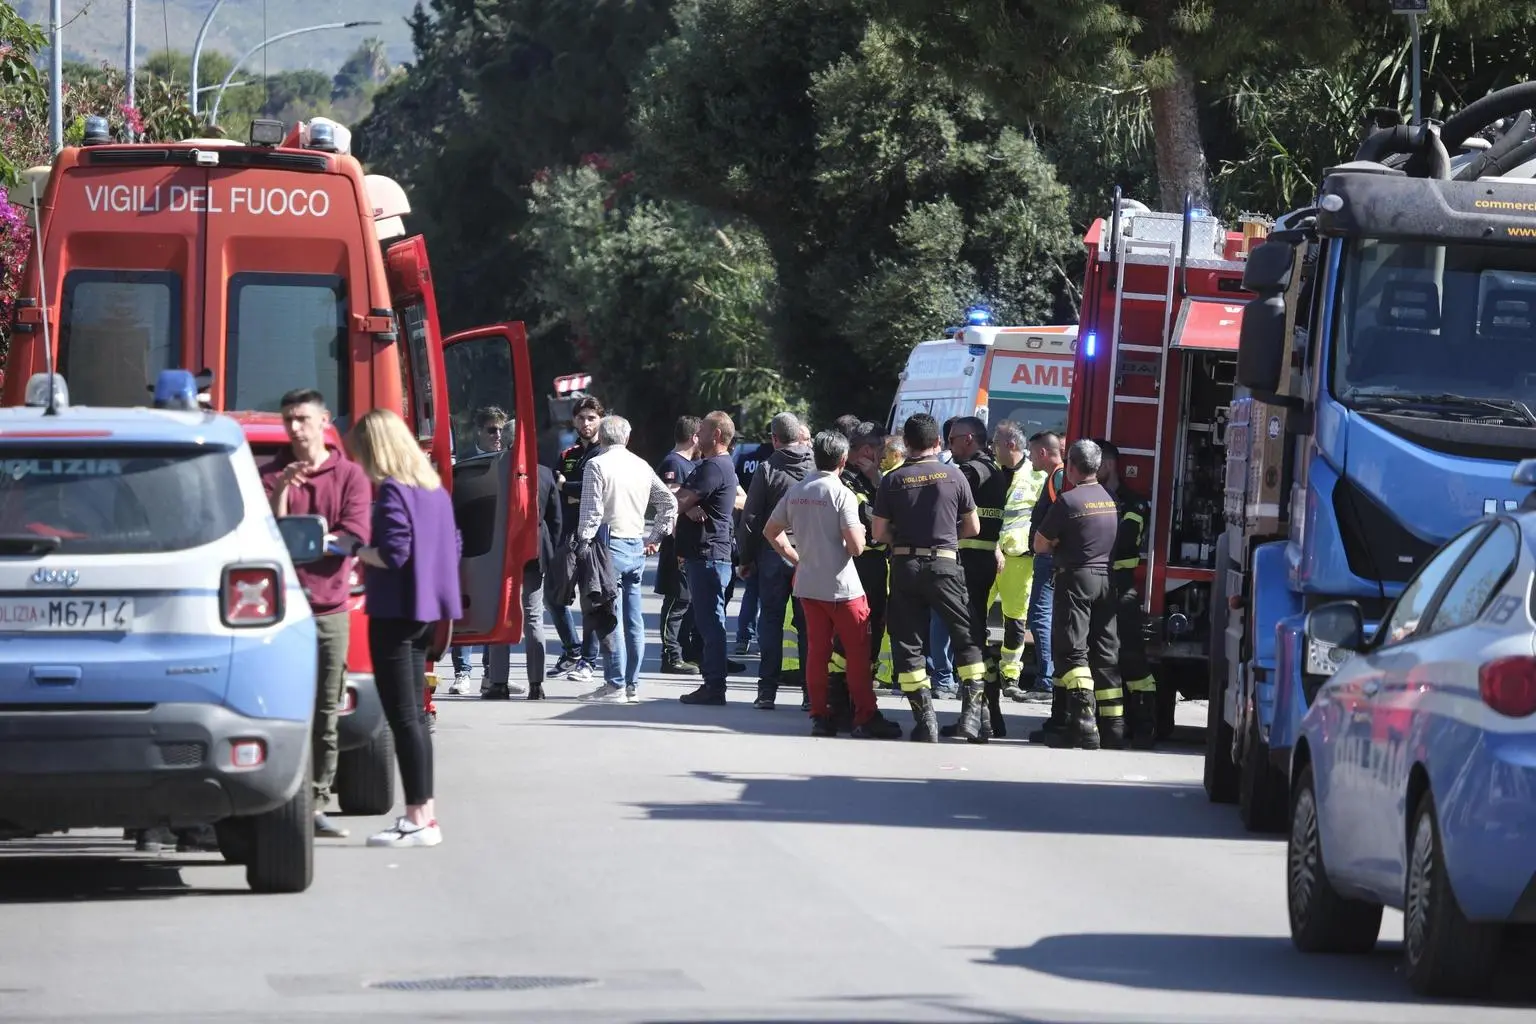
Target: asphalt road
658, 862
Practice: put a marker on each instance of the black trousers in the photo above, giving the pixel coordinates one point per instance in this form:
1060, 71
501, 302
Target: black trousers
679, 635
922, 585
980, 573
399, 651
1131, 624
1085, 644
874, 571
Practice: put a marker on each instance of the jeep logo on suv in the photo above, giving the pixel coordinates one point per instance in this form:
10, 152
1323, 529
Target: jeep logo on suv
55, 577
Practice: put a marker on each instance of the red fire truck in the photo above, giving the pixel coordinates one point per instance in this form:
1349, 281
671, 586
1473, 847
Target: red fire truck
267, 266
1156, 363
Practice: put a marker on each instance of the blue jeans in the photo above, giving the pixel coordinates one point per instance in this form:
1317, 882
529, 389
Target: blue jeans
565, 626
625, 648
706, 589
746, 616
941, 658
1038, 621
461, 656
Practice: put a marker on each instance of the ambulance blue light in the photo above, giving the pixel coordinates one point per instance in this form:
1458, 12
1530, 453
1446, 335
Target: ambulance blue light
176, 389
1090, 343
978, 316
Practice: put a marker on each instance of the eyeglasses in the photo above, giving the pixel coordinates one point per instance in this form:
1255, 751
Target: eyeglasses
493, 431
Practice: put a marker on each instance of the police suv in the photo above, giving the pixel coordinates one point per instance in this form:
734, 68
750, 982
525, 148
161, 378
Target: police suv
157, 655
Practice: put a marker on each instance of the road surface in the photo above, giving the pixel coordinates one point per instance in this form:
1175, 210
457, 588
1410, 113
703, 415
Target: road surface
658, 862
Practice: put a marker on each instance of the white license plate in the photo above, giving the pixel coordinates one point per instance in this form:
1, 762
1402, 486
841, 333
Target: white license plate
66, 614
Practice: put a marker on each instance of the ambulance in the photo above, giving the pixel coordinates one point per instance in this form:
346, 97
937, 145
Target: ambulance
1022, 374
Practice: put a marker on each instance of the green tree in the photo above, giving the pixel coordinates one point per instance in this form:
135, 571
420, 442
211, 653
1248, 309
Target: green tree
668, 303
890, 197
1031, 54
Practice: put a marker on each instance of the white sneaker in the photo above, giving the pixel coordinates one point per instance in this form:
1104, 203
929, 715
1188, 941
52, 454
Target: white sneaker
460, 685
582, 673
405, 834
631, 697
604, 694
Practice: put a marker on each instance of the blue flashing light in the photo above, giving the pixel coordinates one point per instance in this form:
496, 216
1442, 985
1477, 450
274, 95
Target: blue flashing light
1090, 343
176, 389
978, 316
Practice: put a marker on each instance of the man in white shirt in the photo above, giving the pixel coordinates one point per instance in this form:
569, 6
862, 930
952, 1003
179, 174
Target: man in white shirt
618, 487
823, 515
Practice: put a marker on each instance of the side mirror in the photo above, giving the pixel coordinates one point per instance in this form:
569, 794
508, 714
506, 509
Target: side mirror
1261, 345
304, 536
1333, 632
1269, 268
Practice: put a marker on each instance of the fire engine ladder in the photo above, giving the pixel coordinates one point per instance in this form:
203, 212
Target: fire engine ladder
1165, 301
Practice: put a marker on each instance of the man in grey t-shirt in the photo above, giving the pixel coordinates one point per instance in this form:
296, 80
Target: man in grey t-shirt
816, 528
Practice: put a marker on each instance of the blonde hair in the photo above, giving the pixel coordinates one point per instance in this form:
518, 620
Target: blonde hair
383, 445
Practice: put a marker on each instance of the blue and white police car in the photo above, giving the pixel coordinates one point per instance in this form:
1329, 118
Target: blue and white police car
1414, 780
157, 655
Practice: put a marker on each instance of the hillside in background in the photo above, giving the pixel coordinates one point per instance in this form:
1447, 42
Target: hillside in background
96, 29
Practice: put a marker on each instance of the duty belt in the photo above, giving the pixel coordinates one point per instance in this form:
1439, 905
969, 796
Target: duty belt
924, 552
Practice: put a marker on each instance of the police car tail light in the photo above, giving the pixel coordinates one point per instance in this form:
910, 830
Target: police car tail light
1508, 686
253, 596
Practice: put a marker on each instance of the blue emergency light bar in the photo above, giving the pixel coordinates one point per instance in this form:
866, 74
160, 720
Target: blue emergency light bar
1090, 342
176, 389
978, 316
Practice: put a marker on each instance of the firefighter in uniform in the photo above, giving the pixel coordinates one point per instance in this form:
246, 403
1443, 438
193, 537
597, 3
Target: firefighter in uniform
1016, 571
922, 510
1079, 531
586, 414
1135, 669
862, 477
990, 484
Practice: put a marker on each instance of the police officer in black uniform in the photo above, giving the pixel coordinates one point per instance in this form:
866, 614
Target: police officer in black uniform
978, 557
1131, 622
922, 509
1079, 531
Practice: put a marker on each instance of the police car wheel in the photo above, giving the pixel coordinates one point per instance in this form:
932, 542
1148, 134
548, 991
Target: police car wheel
283, 847
1322, 921
1444, 954
365, 776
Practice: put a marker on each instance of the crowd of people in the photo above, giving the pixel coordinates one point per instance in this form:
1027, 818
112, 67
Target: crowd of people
847, 545
856, 540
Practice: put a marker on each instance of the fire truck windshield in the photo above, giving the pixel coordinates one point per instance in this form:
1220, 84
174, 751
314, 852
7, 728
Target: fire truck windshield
119, 329
1447, 330
286, 331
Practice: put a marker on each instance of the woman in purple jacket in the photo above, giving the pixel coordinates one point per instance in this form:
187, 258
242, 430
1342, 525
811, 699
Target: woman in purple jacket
411, 582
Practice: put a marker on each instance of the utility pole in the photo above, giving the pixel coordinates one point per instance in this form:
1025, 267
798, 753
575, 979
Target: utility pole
56, 74
132, 63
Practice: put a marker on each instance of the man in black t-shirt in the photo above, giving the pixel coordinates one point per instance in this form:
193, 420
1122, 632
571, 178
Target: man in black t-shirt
922, 509
706, 505
1079, 531
680, 644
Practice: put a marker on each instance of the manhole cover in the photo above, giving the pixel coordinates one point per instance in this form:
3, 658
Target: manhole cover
482, 983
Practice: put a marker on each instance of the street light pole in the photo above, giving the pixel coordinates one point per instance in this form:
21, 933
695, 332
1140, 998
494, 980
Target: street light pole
56, 74
197, 47
132, 62
213, 115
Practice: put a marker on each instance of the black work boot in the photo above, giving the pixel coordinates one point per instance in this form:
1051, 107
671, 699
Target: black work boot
535, 691
877, 727
973, 705
840, 702
823, 726
1058, 720
951, 731
1081, 729
767, 695
1143, 719
994, 714
1112, 731
985, 735
925, 722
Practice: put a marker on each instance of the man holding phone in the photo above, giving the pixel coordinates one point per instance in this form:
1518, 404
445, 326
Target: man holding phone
315, 478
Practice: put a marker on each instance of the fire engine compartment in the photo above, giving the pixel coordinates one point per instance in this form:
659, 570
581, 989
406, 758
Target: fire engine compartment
1199, 459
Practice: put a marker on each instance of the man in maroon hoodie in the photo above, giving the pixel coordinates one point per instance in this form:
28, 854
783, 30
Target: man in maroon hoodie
315, 478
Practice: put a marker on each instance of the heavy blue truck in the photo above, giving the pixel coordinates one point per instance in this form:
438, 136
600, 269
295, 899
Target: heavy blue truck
1386, 377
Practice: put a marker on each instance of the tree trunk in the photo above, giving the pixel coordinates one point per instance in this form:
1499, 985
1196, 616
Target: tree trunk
1181, 167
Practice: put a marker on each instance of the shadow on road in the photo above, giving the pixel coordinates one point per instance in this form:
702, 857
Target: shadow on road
1239, 965
64, 870
1088, 808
